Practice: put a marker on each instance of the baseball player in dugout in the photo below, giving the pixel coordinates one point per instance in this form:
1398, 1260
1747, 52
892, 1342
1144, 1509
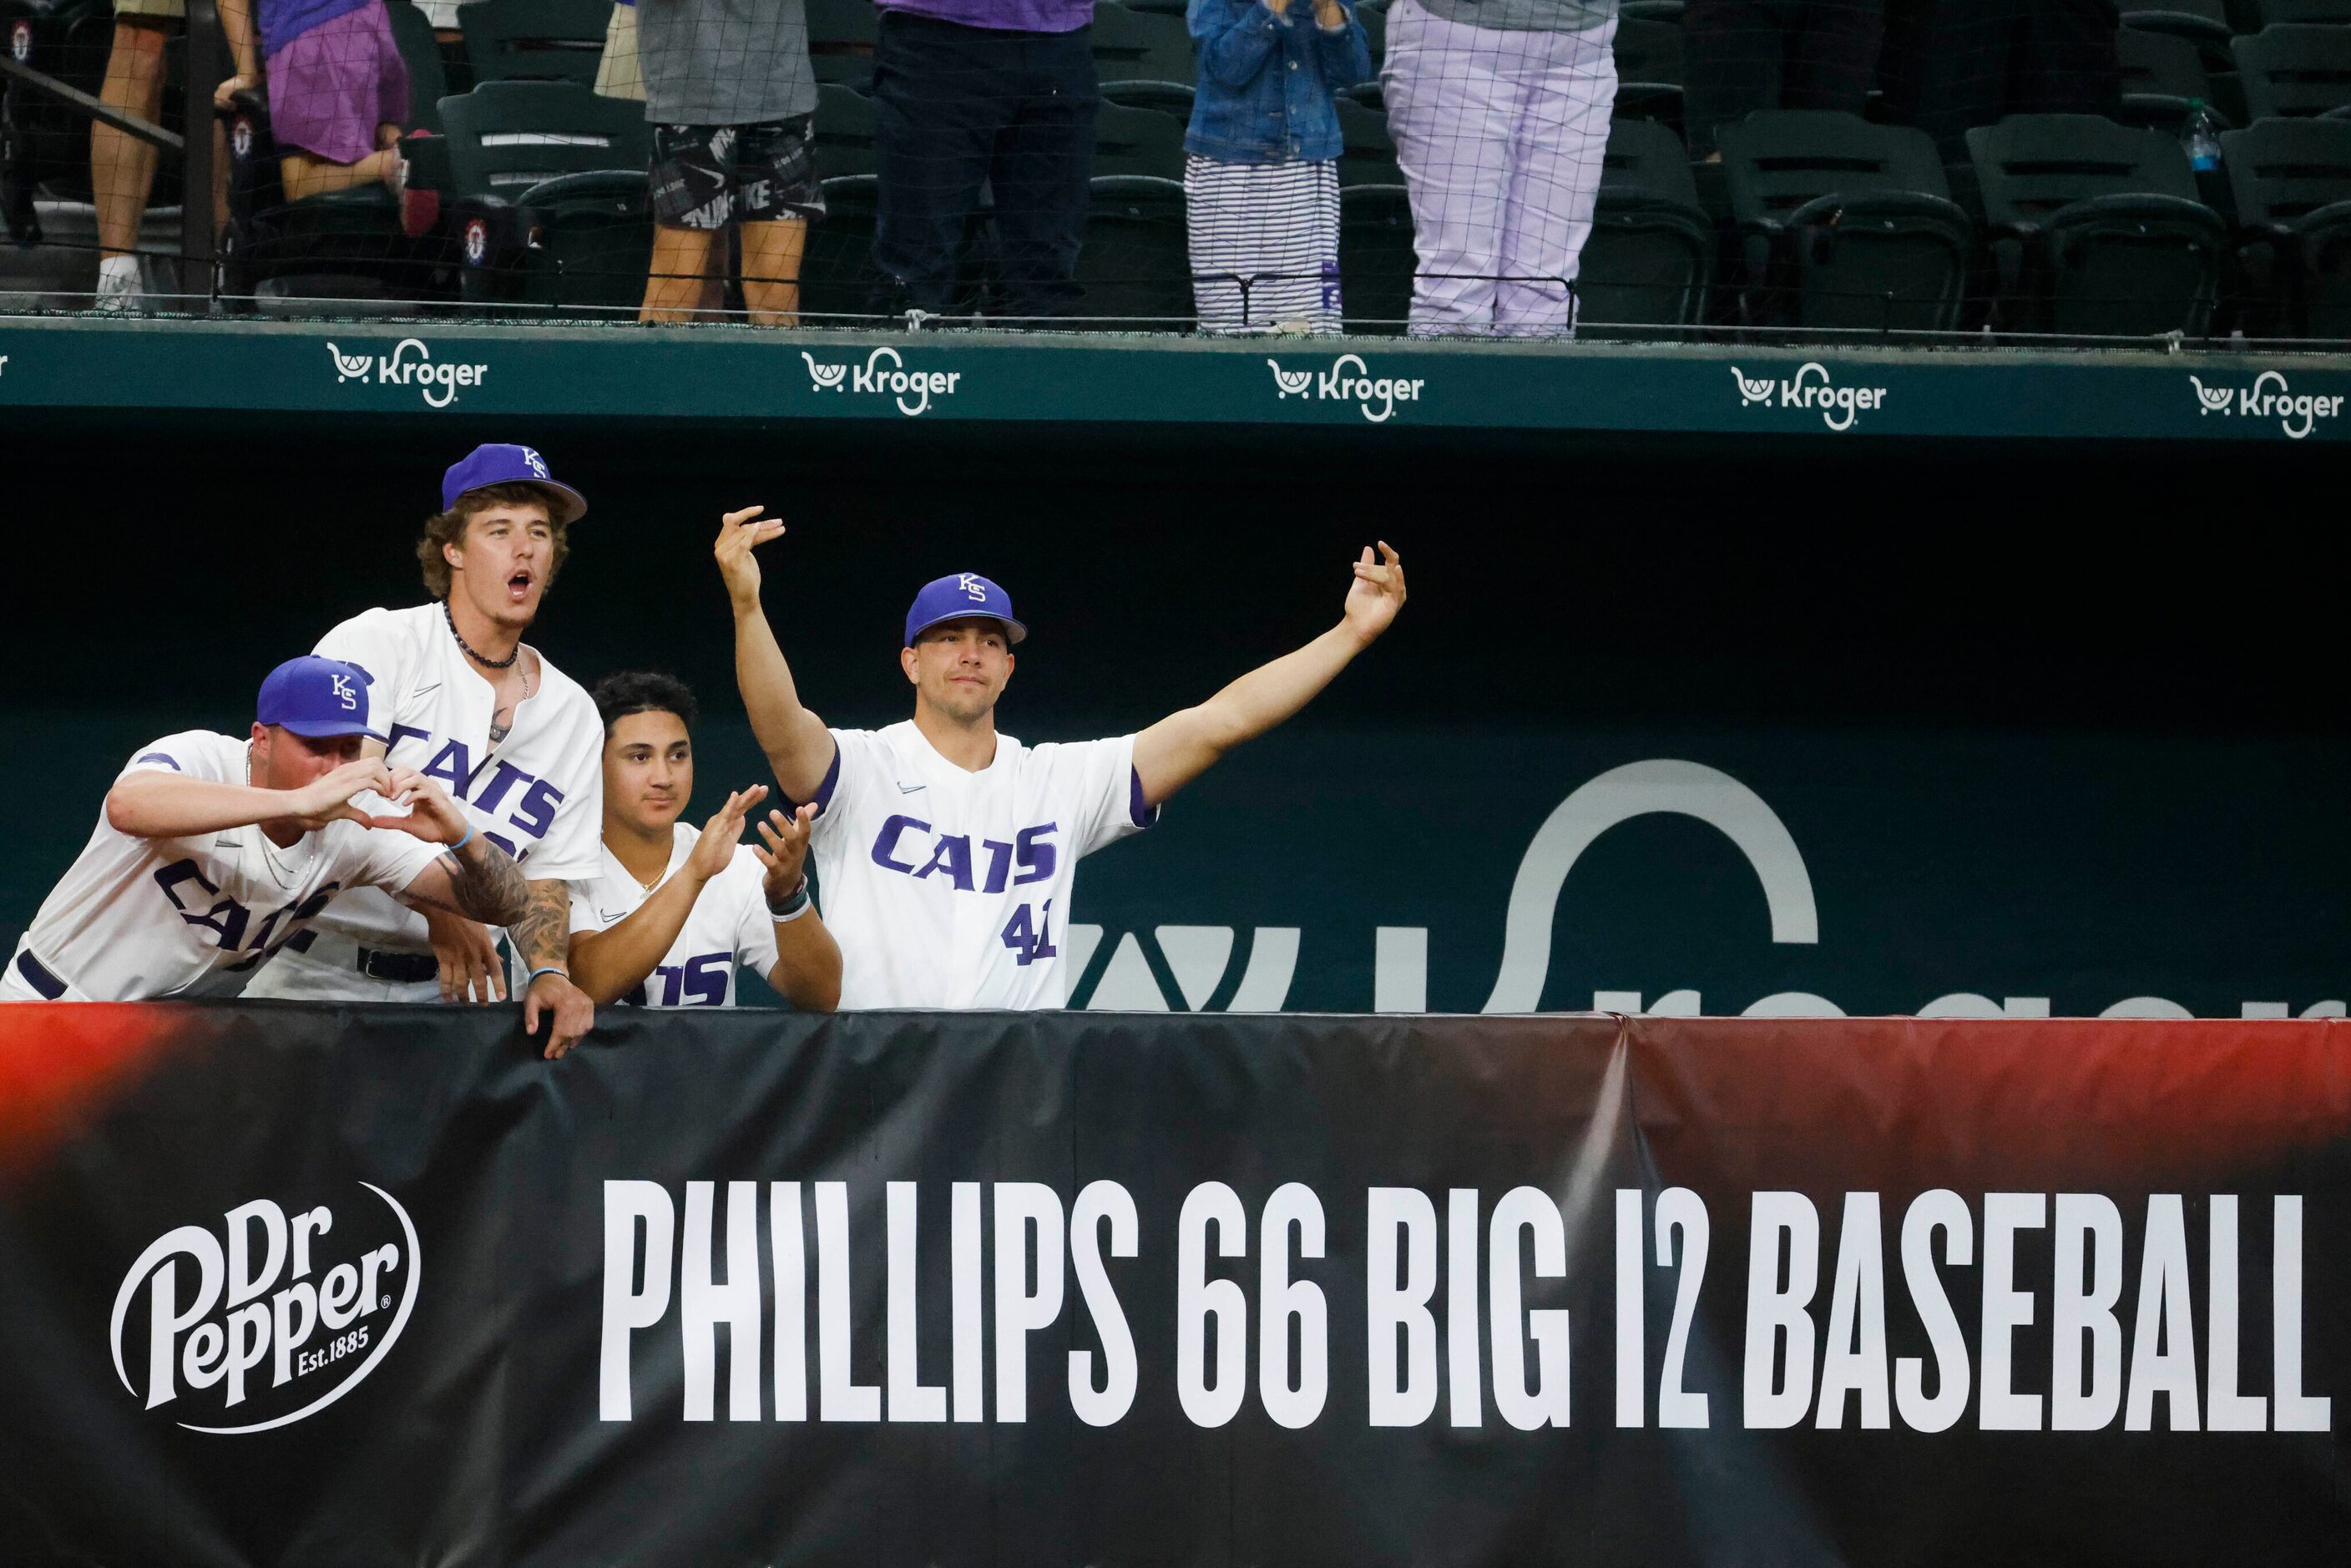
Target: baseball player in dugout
945, 851
462, 699
215, 852
672, 913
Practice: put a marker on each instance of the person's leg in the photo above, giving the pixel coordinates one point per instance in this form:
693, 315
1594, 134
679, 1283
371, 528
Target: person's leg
776, 197
1041, 174
1730, 53
2068, 63
678, 282
1831, 55
122, 167
1450, 114
1946, 65
1568, 92
939, 92
306, 175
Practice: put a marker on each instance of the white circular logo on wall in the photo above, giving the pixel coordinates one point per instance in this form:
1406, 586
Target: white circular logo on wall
269, 1317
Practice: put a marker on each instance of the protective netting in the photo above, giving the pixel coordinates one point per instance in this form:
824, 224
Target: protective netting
1524, 168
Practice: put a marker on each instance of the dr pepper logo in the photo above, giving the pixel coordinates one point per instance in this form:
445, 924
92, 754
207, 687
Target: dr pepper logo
268, 1316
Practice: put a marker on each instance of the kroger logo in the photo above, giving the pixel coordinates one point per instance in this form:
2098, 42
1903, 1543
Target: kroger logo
1838, 406
2267, 398
439, 383
885, 373
1348, 380
267, 1322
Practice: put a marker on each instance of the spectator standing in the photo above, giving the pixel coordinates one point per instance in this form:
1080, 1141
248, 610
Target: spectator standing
1954, 64
730, 95
972, 91
338, 89
1499, 110
122, 166
1261, 174
1745, 54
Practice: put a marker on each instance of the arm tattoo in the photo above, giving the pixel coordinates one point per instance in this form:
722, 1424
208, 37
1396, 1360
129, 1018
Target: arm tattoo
542, 934
487, 887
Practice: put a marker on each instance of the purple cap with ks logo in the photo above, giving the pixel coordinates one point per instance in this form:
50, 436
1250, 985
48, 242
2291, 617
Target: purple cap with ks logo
316, 697
501, 464
967, 593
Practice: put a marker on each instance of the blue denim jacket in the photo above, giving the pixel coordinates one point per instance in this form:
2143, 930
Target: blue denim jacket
1266, 81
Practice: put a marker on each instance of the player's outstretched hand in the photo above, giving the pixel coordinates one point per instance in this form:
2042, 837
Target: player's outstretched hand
715, 850
328, 798
467, 954
786, 856
570, 1013
1377, 593
431, 816
739, 533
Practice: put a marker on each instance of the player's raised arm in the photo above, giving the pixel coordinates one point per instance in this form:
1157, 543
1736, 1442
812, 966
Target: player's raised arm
610, 964
1181, 746
798, 746
154, 804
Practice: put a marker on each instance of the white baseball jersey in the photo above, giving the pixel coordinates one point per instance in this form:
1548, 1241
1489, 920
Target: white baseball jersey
539, 794
951, 889
136, 918
729, 925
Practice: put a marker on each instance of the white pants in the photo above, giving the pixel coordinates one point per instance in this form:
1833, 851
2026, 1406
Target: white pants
1500, 136
330, 972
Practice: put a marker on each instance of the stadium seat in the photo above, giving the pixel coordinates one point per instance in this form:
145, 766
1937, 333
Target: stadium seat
1844, 223
1135, 267
845, 130
2162, 75
2291, 183
837, 275
535, 40
2273, 12
1653, 11
1141, 47
1137, 141
2295, 70
2096, 229
2199, 21
1375, 257
1374, 16
1648, 70
1651, 252
420, 51
1367, 154
1172, 99
549, 187
841, 35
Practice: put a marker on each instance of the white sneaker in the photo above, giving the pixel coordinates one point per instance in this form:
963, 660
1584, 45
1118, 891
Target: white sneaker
118, 284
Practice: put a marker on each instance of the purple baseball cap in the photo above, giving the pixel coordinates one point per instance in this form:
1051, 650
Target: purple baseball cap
316, 697
497, 464
957, 597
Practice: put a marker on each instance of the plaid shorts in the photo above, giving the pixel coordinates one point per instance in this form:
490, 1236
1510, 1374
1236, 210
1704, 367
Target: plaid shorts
704, 176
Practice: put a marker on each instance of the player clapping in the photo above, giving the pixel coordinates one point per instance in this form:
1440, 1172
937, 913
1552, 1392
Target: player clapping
671, 912
214, 853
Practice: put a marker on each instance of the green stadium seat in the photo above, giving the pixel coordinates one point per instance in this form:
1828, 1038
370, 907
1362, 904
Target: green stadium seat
2096, 229
1651, 254
535, 40
2163, 74
2292, 183
1168, 98
1374, 16
2295, 70
1648, 70
1367, 153
1375, 257
549, 194
1135, 266
837, 279
841, 35
1844, 223
420, 51
845, 130
2273, 12
1140, 46
2200, 21
1137, 141
1652, 11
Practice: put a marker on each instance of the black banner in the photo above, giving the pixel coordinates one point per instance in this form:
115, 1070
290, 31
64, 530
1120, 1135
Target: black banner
378, 1285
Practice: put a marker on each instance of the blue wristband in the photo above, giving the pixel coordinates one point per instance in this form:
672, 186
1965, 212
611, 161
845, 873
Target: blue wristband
468, 839
546, 969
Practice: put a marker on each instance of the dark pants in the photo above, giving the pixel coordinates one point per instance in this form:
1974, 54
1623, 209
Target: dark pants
1746, 55
1953, 64
957, 107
